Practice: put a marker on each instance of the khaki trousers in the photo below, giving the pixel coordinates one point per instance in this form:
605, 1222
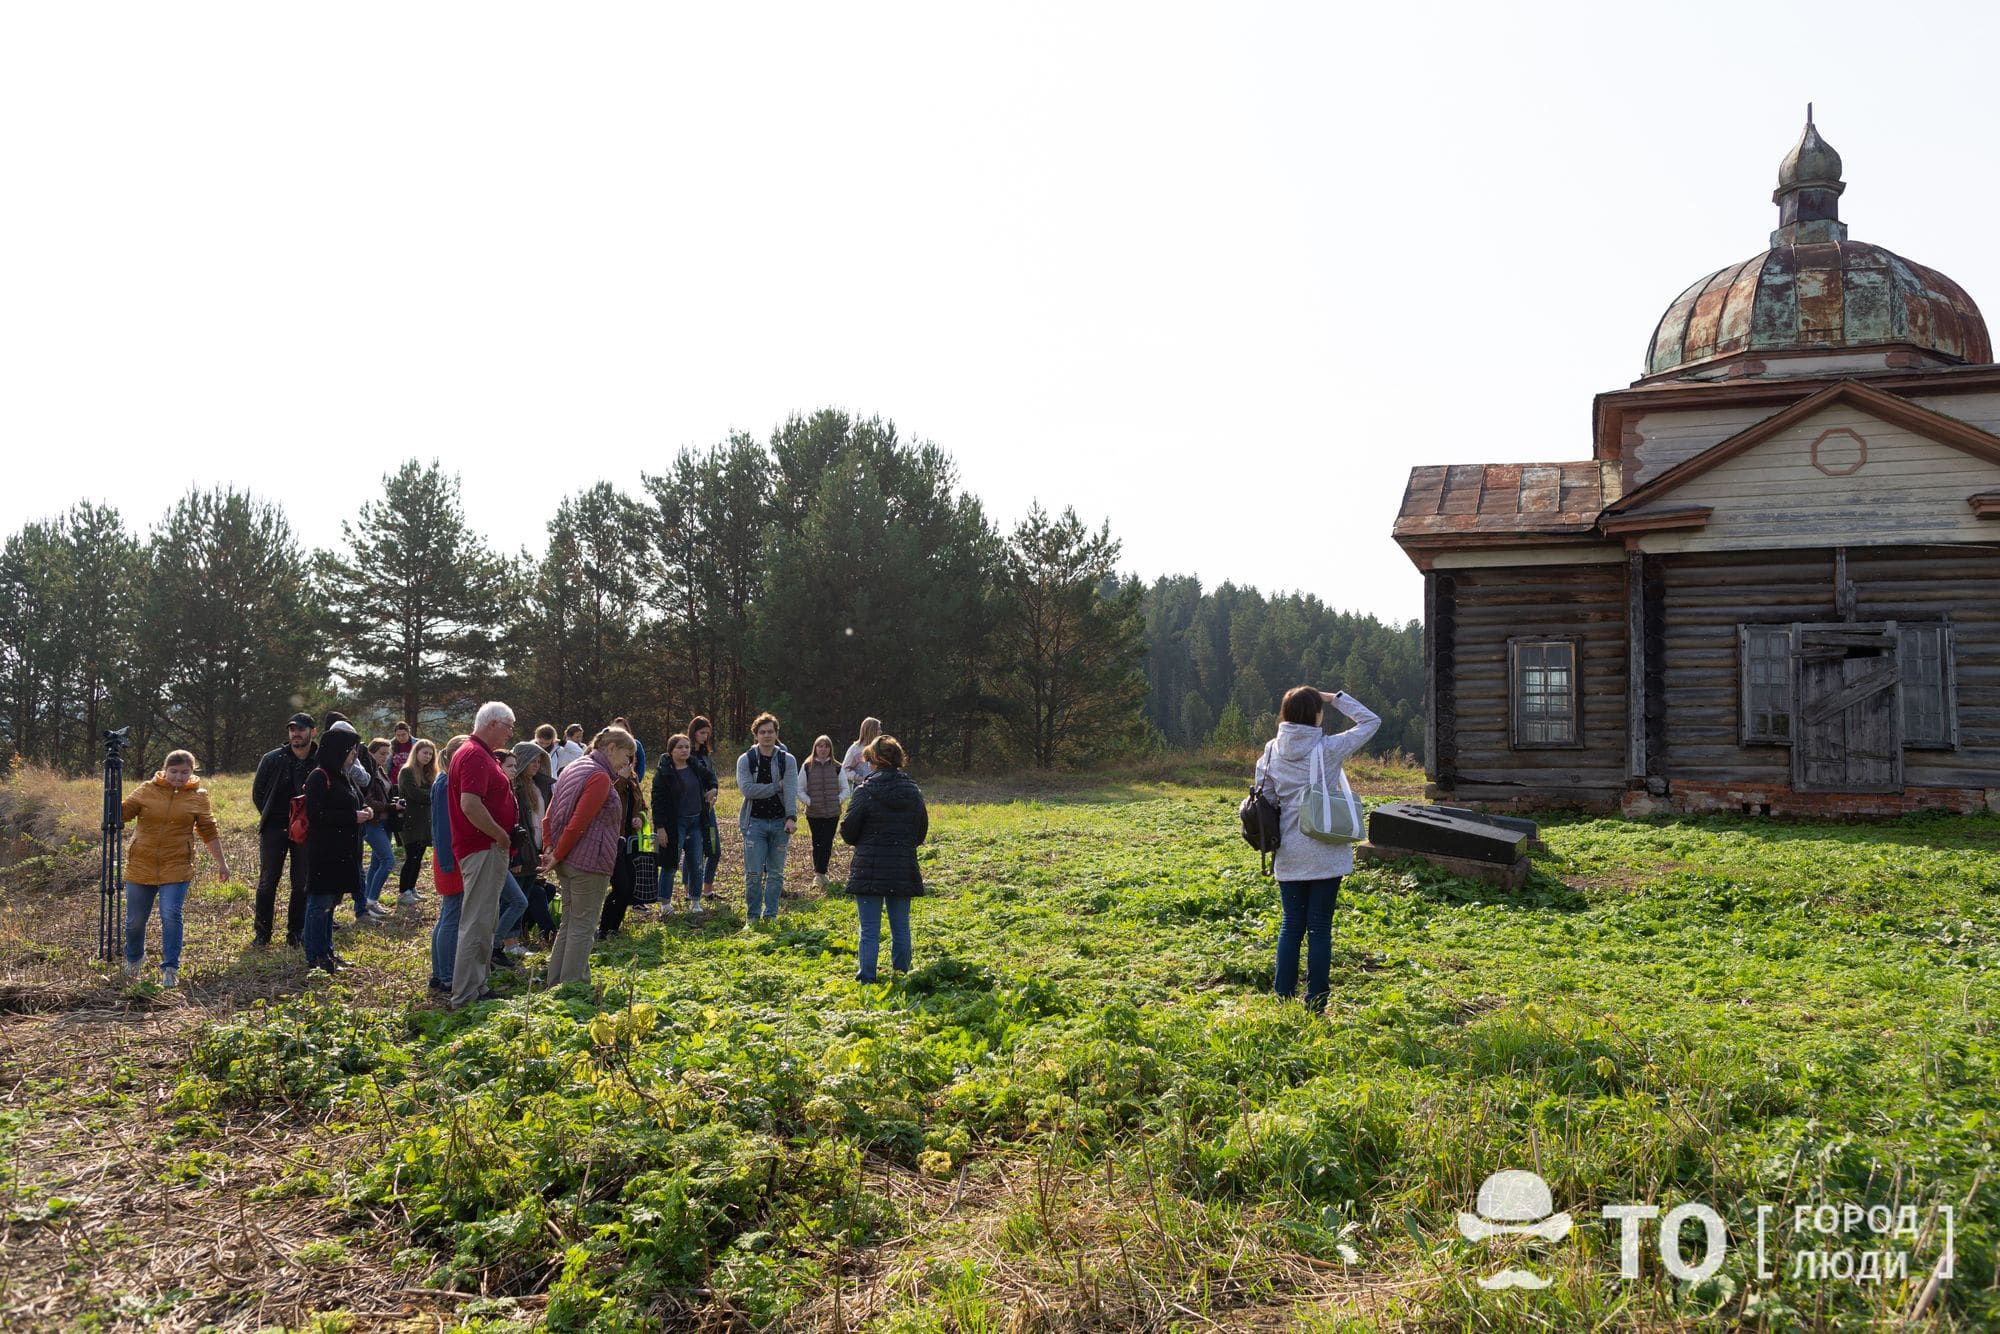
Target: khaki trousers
484, 874
583, 900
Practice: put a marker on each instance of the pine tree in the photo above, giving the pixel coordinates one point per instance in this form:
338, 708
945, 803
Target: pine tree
413, 593
1070, 642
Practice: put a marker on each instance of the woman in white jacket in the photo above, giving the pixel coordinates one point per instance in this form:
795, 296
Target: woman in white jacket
1308, 871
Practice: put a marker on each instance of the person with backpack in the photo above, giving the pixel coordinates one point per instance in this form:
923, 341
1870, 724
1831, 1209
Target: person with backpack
281, 775
768, 778
823, 784
680, 810
173, 810
886, 820
1307, 869
334, 816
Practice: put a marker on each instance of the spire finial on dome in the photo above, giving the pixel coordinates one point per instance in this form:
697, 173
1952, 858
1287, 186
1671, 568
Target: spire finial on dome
1808, 193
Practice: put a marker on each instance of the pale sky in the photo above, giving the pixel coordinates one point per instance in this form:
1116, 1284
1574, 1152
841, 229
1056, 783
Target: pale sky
1147, 260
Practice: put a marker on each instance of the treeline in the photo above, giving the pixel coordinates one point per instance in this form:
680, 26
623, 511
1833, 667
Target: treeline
833, 571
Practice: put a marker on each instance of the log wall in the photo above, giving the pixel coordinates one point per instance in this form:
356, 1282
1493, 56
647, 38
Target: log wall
1487, 608
1709, 594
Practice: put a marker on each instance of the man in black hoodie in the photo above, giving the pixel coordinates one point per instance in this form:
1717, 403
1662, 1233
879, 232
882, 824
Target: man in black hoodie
281, 775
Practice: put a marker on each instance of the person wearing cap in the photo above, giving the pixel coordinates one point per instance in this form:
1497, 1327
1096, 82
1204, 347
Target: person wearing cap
281, 775
334, 816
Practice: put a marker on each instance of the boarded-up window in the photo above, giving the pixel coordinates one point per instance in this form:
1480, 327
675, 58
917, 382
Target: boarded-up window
1545, 696
1765, 670
1930, 706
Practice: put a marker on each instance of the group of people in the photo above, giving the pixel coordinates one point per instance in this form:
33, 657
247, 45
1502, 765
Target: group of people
501, 819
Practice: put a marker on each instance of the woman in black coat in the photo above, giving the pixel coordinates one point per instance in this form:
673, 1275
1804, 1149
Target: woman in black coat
885, 822
334, 816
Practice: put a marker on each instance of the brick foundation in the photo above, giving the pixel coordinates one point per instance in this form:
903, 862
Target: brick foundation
1692, 798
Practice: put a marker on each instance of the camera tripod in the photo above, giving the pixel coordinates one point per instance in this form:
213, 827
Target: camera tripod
111, 865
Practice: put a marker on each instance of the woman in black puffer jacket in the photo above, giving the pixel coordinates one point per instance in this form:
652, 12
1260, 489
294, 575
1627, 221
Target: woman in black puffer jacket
885, 822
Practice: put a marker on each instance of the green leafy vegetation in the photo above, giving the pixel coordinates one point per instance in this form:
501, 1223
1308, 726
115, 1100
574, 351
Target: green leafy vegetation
1081, 1100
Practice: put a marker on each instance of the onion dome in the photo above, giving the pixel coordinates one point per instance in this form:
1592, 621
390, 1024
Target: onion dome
1815, 290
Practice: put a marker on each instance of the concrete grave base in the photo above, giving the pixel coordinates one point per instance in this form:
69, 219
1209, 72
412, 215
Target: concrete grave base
1504, 876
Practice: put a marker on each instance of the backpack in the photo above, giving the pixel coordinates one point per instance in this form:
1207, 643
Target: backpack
300, 823
1259, 815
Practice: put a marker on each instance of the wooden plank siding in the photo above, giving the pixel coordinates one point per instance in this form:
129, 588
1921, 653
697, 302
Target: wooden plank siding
1708, 595
1491, 606
1656, 441
1909, 491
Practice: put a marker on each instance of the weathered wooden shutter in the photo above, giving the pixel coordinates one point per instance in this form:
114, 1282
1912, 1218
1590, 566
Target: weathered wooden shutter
1929, 686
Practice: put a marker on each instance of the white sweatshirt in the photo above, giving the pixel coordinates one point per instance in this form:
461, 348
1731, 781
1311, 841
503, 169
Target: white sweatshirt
1284, 767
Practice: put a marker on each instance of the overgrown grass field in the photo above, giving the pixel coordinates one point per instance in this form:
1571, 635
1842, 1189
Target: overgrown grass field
1079, 1111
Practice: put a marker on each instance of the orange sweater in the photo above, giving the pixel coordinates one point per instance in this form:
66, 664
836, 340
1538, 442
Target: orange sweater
170, 819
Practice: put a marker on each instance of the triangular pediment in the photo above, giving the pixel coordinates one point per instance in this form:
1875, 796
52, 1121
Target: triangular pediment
1849, 465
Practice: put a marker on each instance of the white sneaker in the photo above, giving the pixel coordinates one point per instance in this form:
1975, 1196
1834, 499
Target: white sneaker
407, 899
170, 977
515, 951
378, 912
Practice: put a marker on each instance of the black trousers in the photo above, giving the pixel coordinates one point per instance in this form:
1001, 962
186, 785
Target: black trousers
273, 845
413, 861
538, 915
823, 827
619, 899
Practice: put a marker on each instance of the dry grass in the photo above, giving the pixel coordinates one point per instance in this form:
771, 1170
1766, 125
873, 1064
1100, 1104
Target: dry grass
1045, 1246
109, 1222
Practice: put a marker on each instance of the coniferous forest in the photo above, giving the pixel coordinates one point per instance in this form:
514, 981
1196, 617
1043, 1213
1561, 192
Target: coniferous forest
832, 571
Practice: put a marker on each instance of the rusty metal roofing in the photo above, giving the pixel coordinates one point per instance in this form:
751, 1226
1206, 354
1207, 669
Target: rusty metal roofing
1505, 499
1829, 294
1814, 289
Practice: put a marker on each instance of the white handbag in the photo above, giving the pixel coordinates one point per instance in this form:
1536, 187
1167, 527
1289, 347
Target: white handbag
1324, 815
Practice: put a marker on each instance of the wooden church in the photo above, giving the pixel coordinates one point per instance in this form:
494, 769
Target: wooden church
1775, 585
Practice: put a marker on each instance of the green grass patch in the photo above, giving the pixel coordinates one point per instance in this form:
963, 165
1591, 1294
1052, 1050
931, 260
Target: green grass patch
1086, 1062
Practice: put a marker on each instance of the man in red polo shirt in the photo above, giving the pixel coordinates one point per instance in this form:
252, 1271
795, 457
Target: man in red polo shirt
480, 802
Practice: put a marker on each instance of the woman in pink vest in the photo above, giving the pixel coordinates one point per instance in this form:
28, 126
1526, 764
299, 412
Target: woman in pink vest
580, 834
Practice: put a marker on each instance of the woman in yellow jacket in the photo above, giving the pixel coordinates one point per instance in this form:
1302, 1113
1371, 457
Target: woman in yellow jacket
172, 811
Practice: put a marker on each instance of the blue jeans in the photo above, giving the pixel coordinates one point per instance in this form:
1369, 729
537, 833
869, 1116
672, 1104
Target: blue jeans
139, 906
319, 926
1308, 918
381, 861
870, 908
764, 846
513, 907
444, 936
688, 848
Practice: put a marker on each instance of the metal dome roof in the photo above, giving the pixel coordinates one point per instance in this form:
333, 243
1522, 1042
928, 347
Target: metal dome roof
1814, 289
